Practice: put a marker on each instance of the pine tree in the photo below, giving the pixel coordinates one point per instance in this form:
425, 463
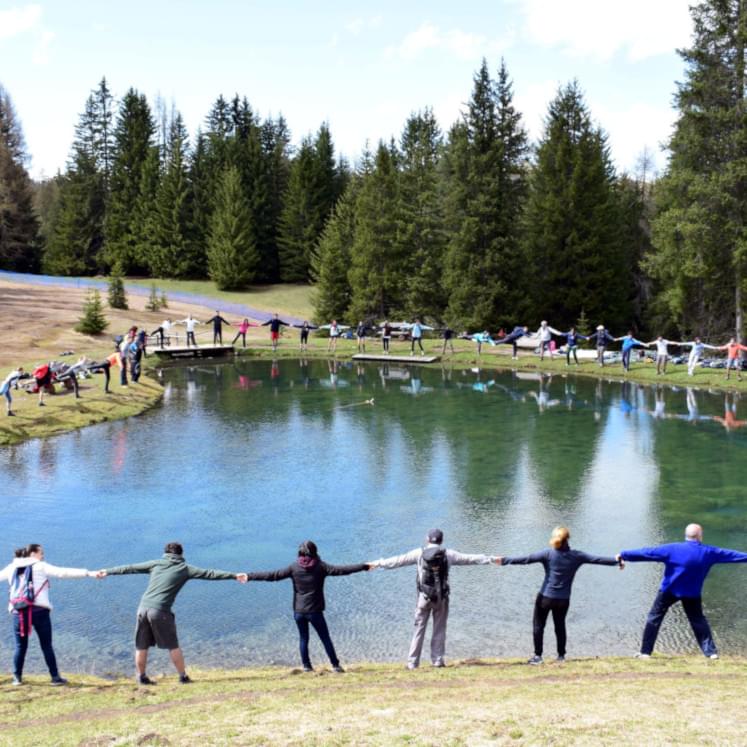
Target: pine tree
378, 268
699, 259
133, 144
421, 216
573, 234
232, 257
154, 302
93, 321
117, 295
331, 262
485, 164
20, 241
172, 252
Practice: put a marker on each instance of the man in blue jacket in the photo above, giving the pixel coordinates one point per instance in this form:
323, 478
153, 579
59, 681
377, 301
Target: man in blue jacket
686, 565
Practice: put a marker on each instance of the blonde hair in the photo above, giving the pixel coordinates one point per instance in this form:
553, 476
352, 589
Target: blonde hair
559, 537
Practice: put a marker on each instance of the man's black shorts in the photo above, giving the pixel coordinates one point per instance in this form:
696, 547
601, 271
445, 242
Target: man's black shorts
155, 628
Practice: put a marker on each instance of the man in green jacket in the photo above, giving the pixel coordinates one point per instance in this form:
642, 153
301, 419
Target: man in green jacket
156, 625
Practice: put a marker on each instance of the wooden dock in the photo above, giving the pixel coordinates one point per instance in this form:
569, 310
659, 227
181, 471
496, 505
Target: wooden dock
396, 358
201, 351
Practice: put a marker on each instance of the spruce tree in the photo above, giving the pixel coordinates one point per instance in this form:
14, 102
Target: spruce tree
19, 227
485, 165
232, 256
421, 216
378, 266
331, 261
699, 256
573, 239
172, 252
93, 321
116, 292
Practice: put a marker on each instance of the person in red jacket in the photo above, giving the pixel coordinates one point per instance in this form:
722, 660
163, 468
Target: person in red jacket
733, 348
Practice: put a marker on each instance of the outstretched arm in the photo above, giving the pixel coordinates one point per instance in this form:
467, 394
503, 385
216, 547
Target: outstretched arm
644, 554
56, 571
278, 575
723, 555
209, 574
459, 558
598, 559
397, 561
344, 570
536, 557
122, 570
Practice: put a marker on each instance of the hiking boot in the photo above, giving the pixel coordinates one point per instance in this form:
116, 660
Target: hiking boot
535, 660
16, 681
58, 681
184, 679
143, 679
41, 404
338, 669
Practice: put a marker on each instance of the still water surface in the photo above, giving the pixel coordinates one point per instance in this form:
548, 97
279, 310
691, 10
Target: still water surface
245, 460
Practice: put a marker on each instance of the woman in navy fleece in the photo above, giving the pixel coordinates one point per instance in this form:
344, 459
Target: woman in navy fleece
561, 564
686, 565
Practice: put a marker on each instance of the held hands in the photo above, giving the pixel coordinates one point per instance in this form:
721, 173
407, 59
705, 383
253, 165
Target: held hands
242, 578
620, 561
97, 574
371, 566
497, 559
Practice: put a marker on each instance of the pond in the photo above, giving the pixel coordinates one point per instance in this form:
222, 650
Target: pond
245, 460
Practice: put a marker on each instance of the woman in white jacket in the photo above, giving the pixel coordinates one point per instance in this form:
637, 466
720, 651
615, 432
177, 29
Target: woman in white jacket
36, 615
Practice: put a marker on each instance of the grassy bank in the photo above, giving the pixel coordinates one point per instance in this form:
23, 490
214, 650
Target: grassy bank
588, 702
500, 358
62, 412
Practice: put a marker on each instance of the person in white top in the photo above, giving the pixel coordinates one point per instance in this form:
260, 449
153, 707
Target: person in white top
662, 353
10, 380
162, 332
190, 324
545, 333
433, 562
36, 615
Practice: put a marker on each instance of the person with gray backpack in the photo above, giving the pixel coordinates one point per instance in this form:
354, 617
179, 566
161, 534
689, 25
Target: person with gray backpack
433, 563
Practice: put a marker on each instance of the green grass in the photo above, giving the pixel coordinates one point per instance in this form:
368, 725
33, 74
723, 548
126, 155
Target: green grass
586, 702
293, 299
62, 412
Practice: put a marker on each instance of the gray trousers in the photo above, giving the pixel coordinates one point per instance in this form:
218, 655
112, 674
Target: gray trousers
423, 611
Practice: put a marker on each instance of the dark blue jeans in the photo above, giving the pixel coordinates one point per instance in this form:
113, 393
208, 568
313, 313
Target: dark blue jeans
693, 607
42, 624
320, 625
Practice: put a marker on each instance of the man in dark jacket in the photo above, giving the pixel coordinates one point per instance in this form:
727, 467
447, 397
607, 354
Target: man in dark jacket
156, 625
218, 322
686, 565
308, 573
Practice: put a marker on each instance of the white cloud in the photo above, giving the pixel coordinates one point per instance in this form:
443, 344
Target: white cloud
40, 55
18, 20
461, 44
604, 28
357, 25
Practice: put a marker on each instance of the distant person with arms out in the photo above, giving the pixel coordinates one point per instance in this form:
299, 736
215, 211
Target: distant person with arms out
305, 328
163, 333
733, 358
30, 606
11, 380
386, 335
243, 326
156, 625
308, 574
275, 324
602, 337
513, 337
416, 336
334, 334
448, 334
190, 324
545, 333
571, 341
218, 322
686, 565
560, 563
662, 353
433, 566
628, 343
360, 336
697, 348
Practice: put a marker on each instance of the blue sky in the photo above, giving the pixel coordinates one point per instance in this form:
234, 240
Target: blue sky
363, 67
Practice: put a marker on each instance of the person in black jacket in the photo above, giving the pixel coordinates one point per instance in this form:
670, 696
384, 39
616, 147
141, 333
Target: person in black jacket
218, 322
308, 574
561, 564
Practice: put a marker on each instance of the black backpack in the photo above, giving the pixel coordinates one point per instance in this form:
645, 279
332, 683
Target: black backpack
433, 574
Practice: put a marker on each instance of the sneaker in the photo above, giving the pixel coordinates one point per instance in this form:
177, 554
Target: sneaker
16, 681
560, 660
535, 660
713, 656
411, 666
41, 404
143, 679
438, 664
10, 413
338, 669
642, 656
58, 681
184, 679
308, 669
